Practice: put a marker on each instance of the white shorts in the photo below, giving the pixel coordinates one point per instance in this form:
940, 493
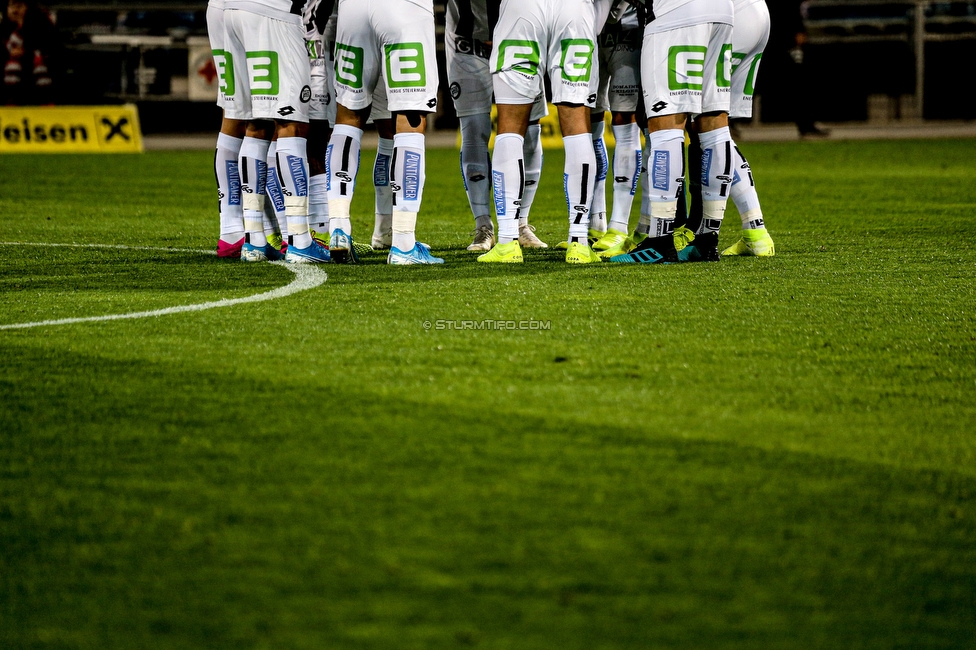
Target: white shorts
535, 36
469, 75
749, 37
687, 70
270, 78
389, 38
223, 62
470, 84
322, 106
620, 55
381, 108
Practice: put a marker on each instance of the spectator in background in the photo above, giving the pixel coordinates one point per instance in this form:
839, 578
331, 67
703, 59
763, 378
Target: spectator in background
30, 41
786, 61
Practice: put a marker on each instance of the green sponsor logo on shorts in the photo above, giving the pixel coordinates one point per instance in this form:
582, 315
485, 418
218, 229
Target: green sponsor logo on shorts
349, 65
686, 67
737, 59
262, 72
577, 59
750, 88
224, 65
405, 65
522, 56
723, 69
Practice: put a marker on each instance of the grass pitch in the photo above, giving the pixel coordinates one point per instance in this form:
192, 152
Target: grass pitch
759, 453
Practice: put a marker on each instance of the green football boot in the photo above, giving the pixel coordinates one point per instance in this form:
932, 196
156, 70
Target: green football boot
625, 246
580, 253
510, 253
756, 243
609, 239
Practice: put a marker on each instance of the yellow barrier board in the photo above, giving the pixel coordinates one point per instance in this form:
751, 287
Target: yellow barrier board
70, 129
552, 137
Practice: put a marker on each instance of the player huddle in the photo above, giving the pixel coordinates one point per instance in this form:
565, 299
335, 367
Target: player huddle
299, 84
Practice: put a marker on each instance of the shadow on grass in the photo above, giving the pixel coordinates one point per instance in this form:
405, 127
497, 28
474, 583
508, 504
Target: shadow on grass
134, 507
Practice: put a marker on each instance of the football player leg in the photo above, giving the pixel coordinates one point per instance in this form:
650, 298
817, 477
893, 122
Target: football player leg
226, 155
320, 25
356, 72
319, 133
714, 170
275, 221
532, 157
668, 109
475, 163
598, 214
383, 199
508, 176
410, 75
470, 86
627, 162
623, 61
229, 139
382, 120
749, 37
342, 163
574, 71
254, 173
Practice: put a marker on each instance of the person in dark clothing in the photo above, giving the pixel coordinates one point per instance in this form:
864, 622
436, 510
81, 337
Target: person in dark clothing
30, 42
785, 62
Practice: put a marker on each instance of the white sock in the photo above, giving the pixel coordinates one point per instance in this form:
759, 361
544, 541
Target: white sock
318, 203
508, 183
293, 172
744, 194
229, 187
383, 222
626, 174
408, 172
598, 206
274, 205
475, 163
532, 161
404, 230
665, 172
644, 223
716, 177
253, 167
342, 165
580, 178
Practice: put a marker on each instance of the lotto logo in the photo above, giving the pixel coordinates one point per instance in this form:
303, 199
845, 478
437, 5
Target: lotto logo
349, 65
224, 65
521, 56
686, 67
405, 65
262, 71
577, 59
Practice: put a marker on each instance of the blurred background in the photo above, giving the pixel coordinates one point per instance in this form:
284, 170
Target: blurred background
827, 61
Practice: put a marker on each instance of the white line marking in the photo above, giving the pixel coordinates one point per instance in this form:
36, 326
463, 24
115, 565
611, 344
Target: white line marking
121, 247
307, 276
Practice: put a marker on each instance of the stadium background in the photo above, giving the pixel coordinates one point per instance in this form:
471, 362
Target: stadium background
863, 61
